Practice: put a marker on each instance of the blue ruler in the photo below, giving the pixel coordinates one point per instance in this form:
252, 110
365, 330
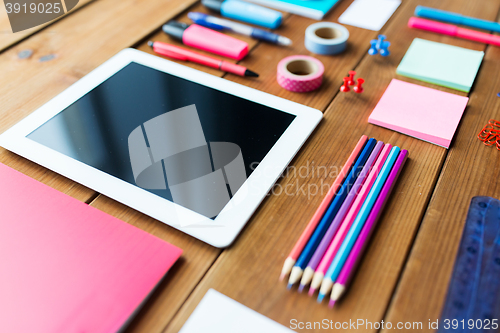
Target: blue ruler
473, 299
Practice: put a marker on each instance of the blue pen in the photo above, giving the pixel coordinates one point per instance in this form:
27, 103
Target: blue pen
323, 225
344, 250
442, 15
242, 29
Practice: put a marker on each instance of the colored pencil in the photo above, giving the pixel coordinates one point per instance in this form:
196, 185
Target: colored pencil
354, 257
311, 226
332, 229
325, 222
352, 235
347, 222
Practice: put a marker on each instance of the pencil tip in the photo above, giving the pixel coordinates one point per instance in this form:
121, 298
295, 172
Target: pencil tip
320, 297
250, 73
331, 303
301, 287
289, 286
311, 291
150, 43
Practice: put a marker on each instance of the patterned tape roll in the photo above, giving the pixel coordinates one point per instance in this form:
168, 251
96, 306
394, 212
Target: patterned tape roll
326, 38
300, 73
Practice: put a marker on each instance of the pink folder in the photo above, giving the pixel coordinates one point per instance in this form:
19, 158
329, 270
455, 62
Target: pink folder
68, 267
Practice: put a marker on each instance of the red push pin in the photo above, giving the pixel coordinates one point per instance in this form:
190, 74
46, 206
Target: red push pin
351, 78
345, 86
359, 89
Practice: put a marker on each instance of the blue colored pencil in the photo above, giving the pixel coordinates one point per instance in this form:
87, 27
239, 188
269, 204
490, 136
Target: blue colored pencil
344, 250
325, 222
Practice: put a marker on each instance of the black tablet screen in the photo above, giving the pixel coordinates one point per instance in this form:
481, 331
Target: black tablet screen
143, 126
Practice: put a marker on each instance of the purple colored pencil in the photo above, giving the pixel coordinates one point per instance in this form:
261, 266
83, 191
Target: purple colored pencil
354, 257
330, 233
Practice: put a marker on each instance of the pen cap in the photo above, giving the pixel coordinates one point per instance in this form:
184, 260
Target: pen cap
437, 14
215, 42
246, 12
214, 5
175, 29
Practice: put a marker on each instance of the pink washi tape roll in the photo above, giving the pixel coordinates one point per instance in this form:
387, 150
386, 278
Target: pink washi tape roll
300, 73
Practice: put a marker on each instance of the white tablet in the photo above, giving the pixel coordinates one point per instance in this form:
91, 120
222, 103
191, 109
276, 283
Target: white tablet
192, 150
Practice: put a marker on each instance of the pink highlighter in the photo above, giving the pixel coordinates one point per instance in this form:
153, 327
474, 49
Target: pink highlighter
206, 39
453, 30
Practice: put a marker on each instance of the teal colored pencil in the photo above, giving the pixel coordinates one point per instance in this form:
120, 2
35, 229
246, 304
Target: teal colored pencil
349, 241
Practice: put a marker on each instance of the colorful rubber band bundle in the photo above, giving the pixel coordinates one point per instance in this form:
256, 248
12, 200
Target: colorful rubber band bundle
490, 134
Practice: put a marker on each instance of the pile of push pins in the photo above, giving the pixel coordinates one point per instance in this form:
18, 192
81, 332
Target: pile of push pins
349, 81
379, 46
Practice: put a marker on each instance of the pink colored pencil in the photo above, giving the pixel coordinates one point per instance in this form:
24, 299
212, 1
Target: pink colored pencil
306, 234
347, 222
354, 257
337, 220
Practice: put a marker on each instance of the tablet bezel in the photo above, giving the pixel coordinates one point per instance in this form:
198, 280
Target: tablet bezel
219, 232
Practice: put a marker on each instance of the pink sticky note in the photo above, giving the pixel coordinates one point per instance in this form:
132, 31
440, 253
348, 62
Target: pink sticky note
68, 267
424, 113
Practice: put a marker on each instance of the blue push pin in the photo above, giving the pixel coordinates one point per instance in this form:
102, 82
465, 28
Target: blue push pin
373, 49
379, 45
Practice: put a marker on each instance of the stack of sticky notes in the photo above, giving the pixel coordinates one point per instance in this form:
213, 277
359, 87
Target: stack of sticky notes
445, 65
424, 113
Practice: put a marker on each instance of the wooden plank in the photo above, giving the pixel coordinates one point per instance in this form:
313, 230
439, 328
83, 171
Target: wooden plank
78, 47
7, 38
248, 271
471, 169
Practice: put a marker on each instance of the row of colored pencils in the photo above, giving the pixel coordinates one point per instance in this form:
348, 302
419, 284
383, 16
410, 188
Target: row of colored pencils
328, 251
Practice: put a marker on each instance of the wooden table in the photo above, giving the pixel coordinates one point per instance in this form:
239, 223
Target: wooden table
405, 273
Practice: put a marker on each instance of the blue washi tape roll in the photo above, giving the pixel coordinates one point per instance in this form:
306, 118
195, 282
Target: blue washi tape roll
326, 38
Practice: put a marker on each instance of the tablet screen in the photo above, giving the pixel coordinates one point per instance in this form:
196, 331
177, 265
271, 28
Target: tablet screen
168, 135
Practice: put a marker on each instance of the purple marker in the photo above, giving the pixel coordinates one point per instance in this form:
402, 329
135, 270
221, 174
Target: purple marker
330, 233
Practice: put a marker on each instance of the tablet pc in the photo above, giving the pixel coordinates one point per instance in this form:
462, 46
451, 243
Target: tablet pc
189, 149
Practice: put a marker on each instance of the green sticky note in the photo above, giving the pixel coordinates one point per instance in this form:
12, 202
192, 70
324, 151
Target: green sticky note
442, 64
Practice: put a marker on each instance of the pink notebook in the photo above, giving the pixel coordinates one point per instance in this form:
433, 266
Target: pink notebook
68, 267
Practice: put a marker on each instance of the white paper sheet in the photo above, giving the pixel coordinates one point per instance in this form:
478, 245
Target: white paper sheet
218, 313
369, 14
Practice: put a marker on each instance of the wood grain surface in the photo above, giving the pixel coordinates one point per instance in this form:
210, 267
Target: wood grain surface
405, 273
7, 38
